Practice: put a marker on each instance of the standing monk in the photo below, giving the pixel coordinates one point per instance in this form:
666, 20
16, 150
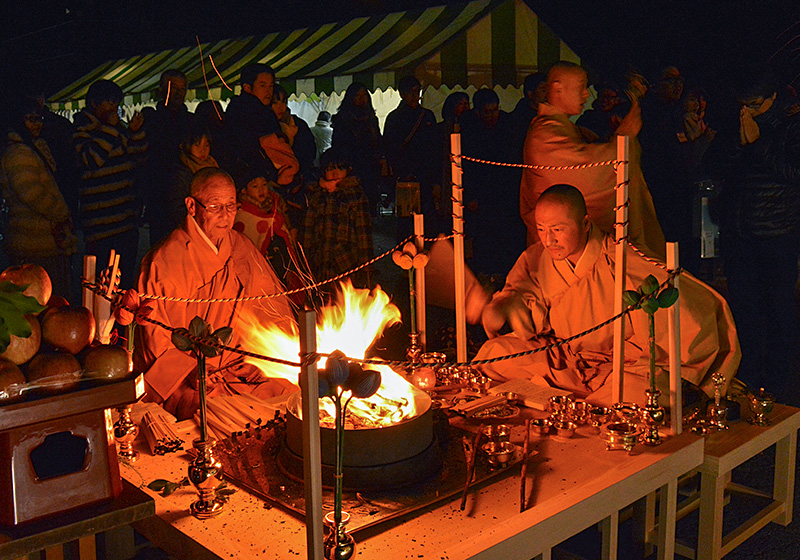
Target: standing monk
205, 259
553, 139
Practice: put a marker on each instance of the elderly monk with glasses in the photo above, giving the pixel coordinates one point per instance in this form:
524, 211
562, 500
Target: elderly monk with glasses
206, 259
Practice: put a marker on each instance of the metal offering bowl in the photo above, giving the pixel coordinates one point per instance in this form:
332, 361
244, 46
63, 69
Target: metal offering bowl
480, 383
599, 415
558, 404
497, 432
761, 404
565, 429
499, 453
626, 412
620, 435
579, 411
540, 426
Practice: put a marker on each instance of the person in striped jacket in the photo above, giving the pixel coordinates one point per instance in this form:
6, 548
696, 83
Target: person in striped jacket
109, 153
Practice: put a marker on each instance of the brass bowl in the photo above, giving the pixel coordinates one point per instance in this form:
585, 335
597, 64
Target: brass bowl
499, 453
626, 412
558, 404
579, 411
540, 426
565, 429
497, 432
620, 435
599, 415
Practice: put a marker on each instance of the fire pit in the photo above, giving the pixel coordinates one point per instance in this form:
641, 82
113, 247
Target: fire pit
375, 457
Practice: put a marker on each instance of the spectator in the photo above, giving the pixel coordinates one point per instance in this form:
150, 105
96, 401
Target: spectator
758, 159
194, 155
296, 130
491, 192
664, 163
109, 153
164, 127
337, 234
605, 115
323, 133
357, 138
534, 91
39, 228
252, 131
262, 217
409, 140
210, 115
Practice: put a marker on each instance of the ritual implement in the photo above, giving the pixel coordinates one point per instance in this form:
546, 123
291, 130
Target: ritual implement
471, 466
524, 465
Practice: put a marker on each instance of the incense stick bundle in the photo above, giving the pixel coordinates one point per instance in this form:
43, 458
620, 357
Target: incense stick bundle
159, 432
524, 473
211, 431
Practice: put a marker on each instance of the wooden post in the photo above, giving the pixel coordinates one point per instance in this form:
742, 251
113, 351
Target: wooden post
419, 234
458, 247
674, 318
89, 274
621, 256
312, 465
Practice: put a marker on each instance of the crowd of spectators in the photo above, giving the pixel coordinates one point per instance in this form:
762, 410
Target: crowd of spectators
309, 194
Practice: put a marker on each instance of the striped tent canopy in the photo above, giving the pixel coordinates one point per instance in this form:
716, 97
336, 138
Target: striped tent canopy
480, 43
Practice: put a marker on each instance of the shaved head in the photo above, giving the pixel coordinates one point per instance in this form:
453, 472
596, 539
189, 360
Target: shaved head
566, 87
568, 196
207, 177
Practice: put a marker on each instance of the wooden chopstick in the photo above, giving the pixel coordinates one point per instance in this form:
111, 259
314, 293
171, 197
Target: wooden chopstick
522, 497
471, 466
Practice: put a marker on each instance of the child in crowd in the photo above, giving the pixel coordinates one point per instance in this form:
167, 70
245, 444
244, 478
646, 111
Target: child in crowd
337, 236
262, 218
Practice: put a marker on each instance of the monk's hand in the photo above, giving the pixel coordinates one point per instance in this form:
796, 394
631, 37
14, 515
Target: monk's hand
511, 310
632, 123
248, 372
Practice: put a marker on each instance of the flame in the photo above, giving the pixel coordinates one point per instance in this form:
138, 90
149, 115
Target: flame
352, 325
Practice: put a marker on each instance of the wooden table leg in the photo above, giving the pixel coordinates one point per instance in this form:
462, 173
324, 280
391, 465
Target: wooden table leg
712, 495
783, 485
667, 517
609, 528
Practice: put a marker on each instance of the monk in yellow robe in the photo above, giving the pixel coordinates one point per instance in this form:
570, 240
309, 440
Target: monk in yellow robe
565, 285
204, 259
553, 139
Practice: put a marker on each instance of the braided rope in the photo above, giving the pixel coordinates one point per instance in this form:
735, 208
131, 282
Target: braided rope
312, 357
613, 162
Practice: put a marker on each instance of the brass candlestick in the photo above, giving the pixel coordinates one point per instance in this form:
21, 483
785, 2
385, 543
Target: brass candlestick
717, 413
125, 432
205, 472
652, 416
338, 543
414, 350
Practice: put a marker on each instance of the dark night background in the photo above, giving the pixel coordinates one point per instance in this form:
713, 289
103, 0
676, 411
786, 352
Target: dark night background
49, 43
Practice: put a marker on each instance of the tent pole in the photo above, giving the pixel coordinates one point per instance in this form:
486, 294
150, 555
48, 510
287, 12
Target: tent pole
674, 318
620, 266
458, 246
312, 466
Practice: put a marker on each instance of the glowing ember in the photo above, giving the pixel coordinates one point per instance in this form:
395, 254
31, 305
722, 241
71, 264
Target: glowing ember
352, 326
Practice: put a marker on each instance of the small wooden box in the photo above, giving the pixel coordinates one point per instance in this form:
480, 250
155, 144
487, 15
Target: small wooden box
58, 453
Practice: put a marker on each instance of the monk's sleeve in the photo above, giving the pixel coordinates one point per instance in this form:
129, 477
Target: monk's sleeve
165, 367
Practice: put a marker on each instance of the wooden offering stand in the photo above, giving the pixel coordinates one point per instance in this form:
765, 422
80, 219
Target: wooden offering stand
58, 453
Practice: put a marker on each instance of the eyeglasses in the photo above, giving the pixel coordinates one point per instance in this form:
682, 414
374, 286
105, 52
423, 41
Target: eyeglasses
231, 207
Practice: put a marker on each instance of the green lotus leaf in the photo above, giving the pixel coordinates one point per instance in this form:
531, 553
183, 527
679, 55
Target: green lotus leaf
631, 297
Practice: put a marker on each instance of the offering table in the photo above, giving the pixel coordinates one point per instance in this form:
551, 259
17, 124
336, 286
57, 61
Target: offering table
573, 484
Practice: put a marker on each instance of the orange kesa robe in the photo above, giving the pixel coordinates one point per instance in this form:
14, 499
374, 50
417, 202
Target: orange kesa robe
187, 265
564, 302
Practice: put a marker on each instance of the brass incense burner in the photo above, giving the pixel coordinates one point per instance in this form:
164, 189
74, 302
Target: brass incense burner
620, 435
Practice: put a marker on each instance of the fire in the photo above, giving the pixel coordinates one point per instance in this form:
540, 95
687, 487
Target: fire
352, 326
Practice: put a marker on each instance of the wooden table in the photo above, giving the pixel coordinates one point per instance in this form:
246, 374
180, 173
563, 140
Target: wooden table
76, 529
574, 484
728, 449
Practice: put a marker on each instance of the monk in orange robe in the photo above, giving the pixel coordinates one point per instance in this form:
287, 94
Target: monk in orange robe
204, 259
565, 285
553, 139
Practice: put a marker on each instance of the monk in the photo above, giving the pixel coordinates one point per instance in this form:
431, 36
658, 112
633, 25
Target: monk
205, 258
564, 286
553, 139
